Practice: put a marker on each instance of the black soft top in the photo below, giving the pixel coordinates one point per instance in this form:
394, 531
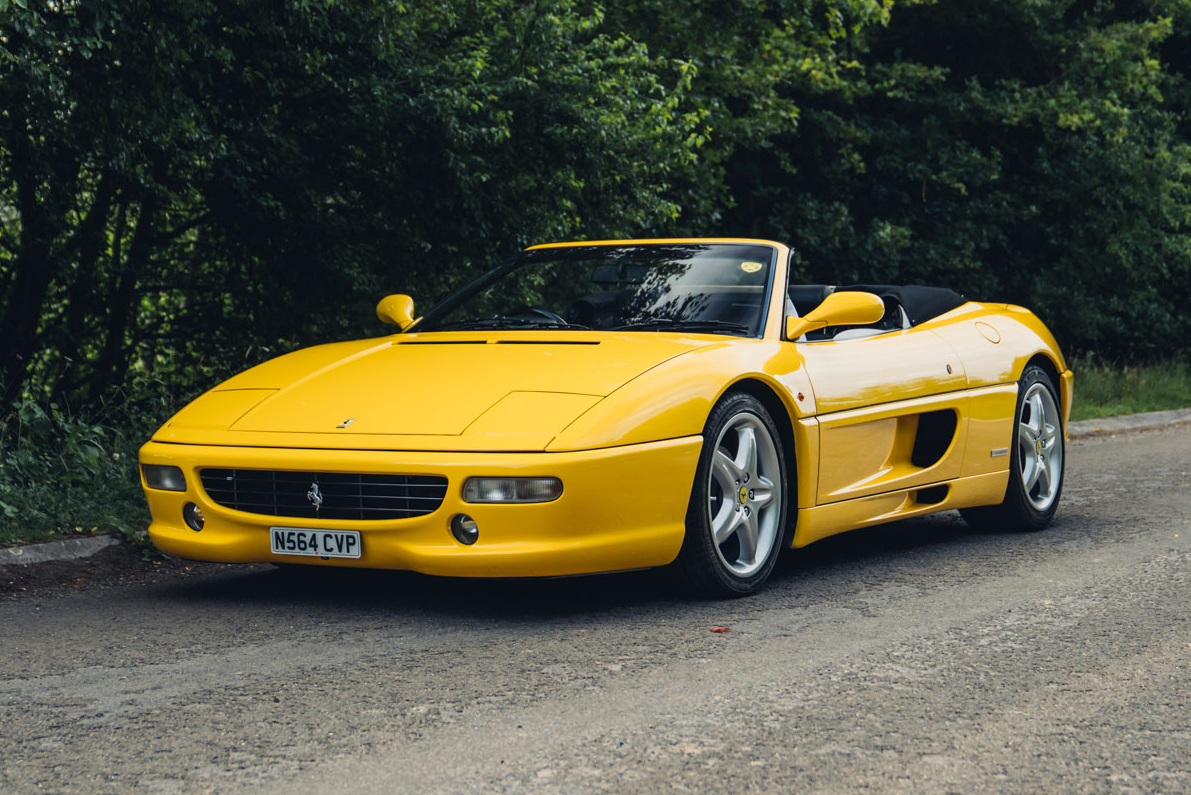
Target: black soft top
921, 303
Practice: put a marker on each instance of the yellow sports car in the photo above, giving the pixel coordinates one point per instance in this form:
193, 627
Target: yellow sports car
593, 407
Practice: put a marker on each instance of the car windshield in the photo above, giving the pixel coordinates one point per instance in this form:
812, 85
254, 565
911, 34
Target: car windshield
717, 288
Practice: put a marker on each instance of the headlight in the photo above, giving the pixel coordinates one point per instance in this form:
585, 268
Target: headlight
512, 489
164, 478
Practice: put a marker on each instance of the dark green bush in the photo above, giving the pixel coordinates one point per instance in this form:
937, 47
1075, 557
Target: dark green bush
66, 474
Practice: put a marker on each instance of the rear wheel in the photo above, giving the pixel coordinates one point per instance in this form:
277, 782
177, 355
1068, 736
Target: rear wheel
737, 515
1036, 461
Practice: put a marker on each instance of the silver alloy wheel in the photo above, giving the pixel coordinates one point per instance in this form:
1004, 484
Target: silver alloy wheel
1040, 447
744, 494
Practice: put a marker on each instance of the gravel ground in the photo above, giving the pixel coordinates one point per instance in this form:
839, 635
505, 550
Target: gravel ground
918, 657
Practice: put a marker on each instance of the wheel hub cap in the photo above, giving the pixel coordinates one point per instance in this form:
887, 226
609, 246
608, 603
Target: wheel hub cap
745, 495
1040, 449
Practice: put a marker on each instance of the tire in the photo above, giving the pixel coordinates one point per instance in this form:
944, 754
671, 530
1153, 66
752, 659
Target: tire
740, 491
1036, 461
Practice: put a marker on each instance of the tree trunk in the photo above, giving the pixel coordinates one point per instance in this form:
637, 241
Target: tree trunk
47, 182
113, 358
83, 301
32, 272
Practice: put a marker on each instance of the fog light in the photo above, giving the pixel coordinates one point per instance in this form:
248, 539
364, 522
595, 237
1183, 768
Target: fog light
193, 516
164, 478
465, 529
512, 489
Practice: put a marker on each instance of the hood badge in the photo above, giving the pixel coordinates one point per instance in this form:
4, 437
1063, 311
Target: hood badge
346, 422
315, 496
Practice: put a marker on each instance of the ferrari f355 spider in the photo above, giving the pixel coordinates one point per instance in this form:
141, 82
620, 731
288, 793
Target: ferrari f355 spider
595, 407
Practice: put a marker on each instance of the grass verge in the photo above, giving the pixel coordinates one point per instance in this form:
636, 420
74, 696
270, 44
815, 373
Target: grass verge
1108, 390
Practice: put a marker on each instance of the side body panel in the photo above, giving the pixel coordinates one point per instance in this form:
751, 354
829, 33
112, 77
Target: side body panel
874, 370
674, 399
875, 398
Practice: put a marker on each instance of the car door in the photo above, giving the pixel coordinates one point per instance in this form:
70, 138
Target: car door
891, 412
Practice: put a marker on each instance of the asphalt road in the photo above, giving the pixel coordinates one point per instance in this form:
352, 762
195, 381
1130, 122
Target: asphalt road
919, 657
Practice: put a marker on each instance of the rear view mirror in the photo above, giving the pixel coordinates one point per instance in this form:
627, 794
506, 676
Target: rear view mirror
621, 274
838, 309
396, 310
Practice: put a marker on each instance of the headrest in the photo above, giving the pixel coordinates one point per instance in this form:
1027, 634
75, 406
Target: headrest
807, 296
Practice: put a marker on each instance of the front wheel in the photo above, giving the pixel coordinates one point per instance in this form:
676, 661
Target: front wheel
737, 515
1036, 461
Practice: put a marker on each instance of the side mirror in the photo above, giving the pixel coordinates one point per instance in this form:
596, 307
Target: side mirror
838, 309
396, 310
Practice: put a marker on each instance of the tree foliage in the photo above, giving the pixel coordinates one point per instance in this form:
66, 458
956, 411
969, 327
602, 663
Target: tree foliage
188, 187
1025, 152
1018, 151
201, 181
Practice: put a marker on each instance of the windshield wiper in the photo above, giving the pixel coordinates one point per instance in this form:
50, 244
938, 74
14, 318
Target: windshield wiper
668, 324
502, 322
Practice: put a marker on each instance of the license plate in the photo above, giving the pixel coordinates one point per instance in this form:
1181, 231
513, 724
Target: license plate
315, 543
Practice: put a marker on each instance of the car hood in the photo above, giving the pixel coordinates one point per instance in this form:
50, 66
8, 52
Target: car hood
434, 391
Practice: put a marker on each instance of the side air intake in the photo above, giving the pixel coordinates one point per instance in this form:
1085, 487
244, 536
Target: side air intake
936, 431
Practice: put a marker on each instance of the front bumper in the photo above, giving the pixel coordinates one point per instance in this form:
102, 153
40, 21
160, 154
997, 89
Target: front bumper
621, 508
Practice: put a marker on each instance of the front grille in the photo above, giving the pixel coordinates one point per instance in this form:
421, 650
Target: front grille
344, 496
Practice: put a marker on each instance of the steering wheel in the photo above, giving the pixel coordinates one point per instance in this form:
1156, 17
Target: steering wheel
543, 313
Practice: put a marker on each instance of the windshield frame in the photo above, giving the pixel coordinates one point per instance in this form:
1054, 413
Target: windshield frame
577, 250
